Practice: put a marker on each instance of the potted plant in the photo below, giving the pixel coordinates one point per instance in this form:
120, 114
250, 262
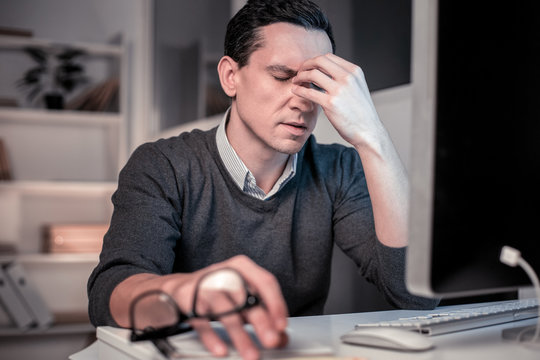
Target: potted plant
52, 81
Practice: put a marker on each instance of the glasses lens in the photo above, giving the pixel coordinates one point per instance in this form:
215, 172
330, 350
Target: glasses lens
219, 293
154, 311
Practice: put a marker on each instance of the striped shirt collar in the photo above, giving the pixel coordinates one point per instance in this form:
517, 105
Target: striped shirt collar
241, 175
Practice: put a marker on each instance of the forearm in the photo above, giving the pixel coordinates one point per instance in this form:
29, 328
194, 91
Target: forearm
347, 103
387, 183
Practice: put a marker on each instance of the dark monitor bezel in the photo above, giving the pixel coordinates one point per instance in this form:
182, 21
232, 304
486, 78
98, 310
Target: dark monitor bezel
423, 154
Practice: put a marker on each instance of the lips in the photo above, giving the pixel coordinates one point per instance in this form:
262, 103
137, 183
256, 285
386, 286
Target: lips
297, 129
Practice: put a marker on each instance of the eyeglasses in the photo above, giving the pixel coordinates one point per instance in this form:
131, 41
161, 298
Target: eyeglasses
155, 315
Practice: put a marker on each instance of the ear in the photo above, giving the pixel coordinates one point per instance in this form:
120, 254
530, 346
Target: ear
227, 69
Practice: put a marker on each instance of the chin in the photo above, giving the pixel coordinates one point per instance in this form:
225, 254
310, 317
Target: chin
290, 147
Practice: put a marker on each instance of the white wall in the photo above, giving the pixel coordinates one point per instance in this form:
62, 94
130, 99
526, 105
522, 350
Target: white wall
71, 20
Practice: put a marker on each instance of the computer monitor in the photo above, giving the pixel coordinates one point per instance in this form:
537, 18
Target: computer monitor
475, 149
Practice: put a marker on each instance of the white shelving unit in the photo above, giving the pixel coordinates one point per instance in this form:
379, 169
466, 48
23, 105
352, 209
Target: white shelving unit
58, 117
64, 165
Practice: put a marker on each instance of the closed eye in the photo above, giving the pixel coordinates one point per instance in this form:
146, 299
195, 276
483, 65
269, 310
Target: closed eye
282, 79
281, 73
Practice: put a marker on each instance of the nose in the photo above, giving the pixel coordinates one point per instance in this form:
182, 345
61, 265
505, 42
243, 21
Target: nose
300, 103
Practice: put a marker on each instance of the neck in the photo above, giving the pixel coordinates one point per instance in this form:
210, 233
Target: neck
267, 172
266, 164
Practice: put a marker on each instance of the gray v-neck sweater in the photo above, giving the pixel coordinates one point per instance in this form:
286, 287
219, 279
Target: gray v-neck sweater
177, 209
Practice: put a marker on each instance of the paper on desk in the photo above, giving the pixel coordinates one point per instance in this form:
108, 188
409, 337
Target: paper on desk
189, 345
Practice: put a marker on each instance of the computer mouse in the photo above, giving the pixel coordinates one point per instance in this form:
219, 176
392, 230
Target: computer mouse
388, 338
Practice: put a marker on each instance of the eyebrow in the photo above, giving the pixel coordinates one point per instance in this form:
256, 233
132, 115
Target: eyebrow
281, 69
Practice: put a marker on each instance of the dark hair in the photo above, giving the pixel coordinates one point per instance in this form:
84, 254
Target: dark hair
243, 35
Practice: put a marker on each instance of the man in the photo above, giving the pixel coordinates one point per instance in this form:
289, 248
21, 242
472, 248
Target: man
258, 194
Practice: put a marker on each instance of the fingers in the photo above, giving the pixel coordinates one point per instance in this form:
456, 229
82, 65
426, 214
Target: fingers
267, 334
321, 72
332, 65
239, 337
266, 286
269, 320
346, 100
209, 338
329, 72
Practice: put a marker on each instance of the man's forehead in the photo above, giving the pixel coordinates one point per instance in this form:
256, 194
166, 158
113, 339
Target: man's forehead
284, 31
284, 45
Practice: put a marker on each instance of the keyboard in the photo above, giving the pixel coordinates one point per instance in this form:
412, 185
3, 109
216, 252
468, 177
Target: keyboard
470, 316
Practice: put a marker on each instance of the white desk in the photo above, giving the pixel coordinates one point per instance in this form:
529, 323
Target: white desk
326, 330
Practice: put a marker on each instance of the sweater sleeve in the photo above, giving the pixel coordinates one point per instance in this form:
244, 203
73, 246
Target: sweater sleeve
354, 233
143, 232
392, 266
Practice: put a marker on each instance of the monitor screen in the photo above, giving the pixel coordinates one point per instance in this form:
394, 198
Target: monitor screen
475, 157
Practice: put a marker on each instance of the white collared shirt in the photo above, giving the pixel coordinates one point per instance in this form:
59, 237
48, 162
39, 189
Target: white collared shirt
241, 174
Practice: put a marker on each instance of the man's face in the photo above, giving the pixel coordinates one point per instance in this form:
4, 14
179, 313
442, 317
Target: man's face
265, 114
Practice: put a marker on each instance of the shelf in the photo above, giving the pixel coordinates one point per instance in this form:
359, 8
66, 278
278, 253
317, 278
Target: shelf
37, 259
59, 188
66, 163
19, 43
57, 329
59, 117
